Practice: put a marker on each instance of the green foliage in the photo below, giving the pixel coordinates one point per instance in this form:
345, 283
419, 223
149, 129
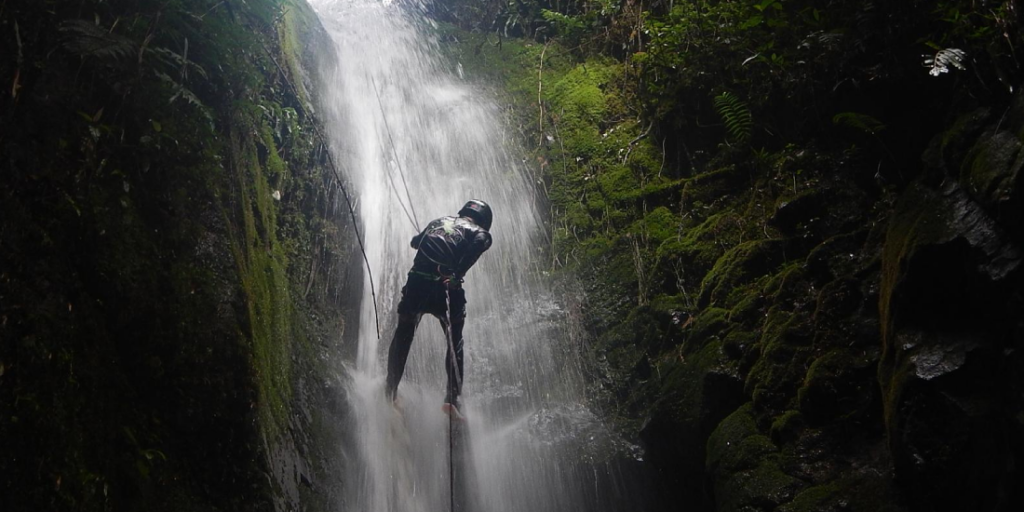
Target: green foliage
566, 26
736, 115
580, 97
155, 322
862, 122
736, 238
89, 39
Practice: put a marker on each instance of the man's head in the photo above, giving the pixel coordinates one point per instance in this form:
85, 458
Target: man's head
477, 211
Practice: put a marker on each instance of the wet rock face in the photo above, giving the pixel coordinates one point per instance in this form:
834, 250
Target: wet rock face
865, 354
168, 320
952, 325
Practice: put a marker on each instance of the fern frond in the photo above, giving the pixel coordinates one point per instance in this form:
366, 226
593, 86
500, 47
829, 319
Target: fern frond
945, 59
87, 39
738, 120
180, 91
176, 60
862, 122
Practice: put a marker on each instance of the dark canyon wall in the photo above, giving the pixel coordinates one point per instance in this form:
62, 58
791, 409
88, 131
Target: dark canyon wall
171, 261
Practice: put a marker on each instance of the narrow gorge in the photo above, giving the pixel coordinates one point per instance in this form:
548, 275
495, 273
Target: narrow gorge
748, 255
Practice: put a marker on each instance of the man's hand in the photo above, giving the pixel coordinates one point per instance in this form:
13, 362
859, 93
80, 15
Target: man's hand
452, 282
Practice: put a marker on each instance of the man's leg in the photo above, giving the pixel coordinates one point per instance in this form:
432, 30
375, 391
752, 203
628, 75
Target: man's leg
454, 361
399, 350
453, 358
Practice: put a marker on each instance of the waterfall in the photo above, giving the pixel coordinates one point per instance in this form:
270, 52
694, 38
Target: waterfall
401, 117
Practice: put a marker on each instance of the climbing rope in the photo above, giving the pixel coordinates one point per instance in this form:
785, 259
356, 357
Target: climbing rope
398, 162
362, 249
394, 191
341, 185
454, 368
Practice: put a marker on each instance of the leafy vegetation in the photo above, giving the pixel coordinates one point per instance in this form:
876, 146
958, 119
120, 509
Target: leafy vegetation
719, 175
164, 250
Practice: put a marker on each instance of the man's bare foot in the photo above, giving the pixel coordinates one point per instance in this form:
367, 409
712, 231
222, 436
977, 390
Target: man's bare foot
396, 403
452, 411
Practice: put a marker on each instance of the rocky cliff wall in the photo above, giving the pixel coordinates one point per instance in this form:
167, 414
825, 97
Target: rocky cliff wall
172, 264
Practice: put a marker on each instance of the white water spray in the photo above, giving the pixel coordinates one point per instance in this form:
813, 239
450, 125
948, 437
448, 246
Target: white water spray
532, 445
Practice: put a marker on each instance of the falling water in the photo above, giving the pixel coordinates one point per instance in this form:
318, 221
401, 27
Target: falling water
417, 141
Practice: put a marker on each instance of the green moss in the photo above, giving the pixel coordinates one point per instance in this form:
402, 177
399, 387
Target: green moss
744, 464
839, 385
739, 343
690, 256
918, 221
867, 493
697, 390
708, 324
669, 303
787, 284
175, 335
763, 487
711, 187
641, 328
785, 344
579, 93
739, 265
725, 454
747, 304
813, 499
787, 427
659, 225
991, 169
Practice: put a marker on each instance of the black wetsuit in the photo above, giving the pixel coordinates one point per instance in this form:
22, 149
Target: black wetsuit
446, 249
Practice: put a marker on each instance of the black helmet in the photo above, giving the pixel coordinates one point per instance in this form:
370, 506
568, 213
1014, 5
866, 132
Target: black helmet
479, 212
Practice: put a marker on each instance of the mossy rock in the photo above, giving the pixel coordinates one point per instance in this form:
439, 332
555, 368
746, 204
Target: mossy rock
991, 174
948, 150
939, 327
737, 444
744, 466
786, 343
760, 489
701, 388
701, 245
793, 215
579, 95
837, 300
840, 384
712, 187
857, 493
738, 344
740, 265
709, 324
659, 225
786, 428
838, 256
747, 304
644, 327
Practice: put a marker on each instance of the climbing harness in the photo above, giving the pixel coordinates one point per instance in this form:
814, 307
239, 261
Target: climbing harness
426, 276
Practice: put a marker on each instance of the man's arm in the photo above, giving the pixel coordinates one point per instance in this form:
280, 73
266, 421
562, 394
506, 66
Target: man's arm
481, 242
418, 239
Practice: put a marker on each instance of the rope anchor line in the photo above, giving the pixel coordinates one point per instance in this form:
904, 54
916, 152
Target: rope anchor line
337, 177
366, 261
454, 368
398, 161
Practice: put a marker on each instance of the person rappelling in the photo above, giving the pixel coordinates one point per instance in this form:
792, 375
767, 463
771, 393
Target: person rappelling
446, 249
